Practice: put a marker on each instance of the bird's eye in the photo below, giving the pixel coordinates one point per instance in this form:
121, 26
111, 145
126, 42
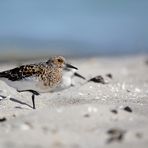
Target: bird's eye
60, 60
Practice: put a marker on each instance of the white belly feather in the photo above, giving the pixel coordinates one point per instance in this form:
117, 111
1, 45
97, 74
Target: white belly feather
30, 83
67, 80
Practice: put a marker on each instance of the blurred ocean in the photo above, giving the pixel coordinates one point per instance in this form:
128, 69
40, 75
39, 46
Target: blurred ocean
73, 27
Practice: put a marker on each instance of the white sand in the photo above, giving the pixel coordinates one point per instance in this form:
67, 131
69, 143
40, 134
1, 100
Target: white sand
81, 116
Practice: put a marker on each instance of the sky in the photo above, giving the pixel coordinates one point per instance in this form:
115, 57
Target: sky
74, 26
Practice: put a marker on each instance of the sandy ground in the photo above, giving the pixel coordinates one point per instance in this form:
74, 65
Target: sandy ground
84, 116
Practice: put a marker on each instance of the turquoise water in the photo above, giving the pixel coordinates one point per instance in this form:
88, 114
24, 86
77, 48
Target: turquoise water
74, 26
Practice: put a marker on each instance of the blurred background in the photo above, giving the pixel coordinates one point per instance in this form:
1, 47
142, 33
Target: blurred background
35, 28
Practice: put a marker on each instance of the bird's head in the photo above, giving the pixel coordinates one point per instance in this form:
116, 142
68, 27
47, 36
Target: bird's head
60, 62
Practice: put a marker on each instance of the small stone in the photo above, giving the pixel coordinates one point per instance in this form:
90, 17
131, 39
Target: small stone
3, 119
115, 135
109, 75
128, 109
98, 79
87, 115
114, 111
128, 90
14, 115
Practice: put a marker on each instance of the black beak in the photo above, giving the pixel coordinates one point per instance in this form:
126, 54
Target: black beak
80, 76
70, 66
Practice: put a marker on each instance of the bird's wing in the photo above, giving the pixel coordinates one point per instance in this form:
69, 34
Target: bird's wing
21, 72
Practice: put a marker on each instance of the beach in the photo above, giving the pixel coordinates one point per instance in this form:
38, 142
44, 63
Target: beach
88, 115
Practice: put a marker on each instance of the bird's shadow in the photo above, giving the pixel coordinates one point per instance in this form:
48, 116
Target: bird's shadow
17, 101
20, 102
3, 96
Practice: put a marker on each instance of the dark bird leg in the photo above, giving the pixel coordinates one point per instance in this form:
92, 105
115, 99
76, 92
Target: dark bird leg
33, 101
34, 93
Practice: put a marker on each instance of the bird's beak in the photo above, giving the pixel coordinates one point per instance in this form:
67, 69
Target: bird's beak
70, 66
80, 76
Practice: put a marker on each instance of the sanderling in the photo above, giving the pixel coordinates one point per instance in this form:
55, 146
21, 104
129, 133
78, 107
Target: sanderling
37, 78
68, 78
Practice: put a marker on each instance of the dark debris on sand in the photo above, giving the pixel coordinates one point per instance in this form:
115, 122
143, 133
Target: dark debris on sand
109, 75
114, 111
128, 109
98, 79
3, 119
87, 115
115, 135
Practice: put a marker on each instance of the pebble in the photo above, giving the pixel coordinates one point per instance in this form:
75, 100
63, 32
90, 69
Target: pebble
86, 115
115, 135
128, 109
98, 79
109, 75
3, 119
114, 111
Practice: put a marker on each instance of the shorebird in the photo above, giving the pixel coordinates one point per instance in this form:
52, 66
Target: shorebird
68, 78
37, 78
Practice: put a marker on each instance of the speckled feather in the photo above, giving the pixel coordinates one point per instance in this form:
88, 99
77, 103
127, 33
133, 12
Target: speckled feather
47, 74
36, 78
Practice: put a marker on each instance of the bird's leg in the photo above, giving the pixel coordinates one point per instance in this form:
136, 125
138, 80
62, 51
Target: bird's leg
34, 93
33, 101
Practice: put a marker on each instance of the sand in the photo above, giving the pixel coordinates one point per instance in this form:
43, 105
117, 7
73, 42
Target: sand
87, 115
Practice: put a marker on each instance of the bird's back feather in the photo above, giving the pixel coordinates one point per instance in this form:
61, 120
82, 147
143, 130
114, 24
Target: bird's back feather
21, 72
